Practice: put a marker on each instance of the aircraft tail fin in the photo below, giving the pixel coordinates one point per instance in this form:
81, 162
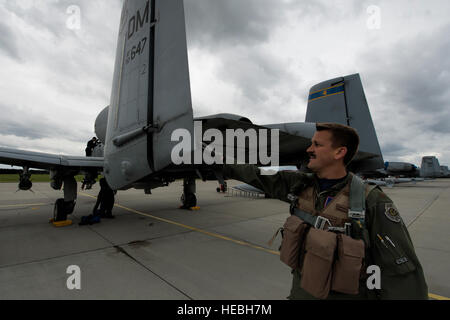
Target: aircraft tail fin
151, 94
430, 167
342, 100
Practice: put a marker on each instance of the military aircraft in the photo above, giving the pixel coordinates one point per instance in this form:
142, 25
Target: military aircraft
401, 172
398, 169
445, 173
430, 167
151, 99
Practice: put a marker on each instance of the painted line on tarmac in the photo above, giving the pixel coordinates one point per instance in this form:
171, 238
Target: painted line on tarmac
24, 205
215, 235
212, 234
437, 297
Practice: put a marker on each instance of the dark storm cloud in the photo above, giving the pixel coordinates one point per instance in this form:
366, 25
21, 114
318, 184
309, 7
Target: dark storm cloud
214, 22
413, 75
394, 149
84, 57
235, 32
26, 123
253, 72
8, 42
70, 69
441, 123
211, 23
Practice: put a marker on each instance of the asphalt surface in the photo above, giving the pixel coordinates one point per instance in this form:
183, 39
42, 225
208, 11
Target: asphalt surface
153, 250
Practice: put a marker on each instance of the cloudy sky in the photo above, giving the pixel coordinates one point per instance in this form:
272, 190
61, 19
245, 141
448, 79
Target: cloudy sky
256, 58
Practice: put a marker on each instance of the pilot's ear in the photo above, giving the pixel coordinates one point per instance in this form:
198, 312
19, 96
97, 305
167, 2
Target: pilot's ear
340, 153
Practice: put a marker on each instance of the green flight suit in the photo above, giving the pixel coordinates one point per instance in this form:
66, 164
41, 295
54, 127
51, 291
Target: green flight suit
401, 273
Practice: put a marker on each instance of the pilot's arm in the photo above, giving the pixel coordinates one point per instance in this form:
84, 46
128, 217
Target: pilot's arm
276, 186
401, 272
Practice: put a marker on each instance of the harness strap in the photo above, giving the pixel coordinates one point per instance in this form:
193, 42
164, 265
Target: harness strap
356, 212
357, 200
317, 222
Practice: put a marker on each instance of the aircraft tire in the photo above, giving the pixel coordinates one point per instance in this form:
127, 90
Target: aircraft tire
59, 212
188, 200
69, 206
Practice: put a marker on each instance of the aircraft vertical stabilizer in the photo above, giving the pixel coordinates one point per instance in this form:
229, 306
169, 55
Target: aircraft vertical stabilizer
444, 171
151, 91
342, 100
430, 167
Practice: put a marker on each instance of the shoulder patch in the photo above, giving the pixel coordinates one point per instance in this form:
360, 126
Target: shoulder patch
391, 212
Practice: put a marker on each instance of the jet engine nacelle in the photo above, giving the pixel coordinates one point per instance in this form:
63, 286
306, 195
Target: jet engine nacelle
399, 166
229, 116
101, 123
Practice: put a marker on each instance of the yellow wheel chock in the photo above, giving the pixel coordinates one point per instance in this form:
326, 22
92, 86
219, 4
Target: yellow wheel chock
59, 224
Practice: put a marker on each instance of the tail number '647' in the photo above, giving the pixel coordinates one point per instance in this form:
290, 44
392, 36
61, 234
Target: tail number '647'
136, 50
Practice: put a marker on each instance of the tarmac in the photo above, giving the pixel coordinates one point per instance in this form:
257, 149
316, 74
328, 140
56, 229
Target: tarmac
153, 250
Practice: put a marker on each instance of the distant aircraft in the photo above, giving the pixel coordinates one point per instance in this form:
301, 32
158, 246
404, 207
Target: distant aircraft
430, 167
151, 98
445, 173
400, 169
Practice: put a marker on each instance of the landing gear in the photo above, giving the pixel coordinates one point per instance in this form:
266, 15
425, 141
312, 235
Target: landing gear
62, 209
188, 198
188, 201
65, 206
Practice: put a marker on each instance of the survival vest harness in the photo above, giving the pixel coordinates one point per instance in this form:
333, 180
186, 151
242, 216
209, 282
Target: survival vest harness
347, 206
327, 246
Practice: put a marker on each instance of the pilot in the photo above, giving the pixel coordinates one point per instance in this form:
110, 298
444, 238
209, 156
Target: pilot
330, 261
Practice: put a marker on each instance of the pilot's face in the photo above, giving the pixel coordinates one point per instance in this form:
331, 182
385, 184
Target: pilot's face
321, 152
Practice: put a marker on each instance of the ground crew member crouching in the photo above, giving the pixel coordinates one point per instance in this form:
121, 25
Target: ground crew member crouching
338, 226
105, 200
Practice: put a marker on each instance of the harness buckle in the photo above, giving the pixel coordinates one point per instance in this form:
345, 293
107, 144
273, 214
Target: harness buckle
359, 215
294, 200
320, 222
346, 229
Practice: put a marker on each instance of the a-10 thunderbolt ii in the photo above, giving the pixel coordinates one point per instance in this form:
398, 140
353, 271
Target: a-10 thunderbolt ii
404, 169
397, 169
151, 99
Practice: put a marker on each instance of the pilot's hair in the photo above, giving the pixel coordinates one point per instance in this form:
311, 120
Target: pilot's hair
342, 136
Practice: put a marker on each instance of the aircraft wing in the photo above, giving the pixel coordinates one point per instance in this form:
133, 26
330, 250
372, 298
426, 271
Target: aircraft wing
294, 138
48, 161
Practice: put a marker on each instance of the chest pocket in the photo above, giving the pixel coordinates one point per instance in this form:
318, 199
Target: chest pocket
393, 260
